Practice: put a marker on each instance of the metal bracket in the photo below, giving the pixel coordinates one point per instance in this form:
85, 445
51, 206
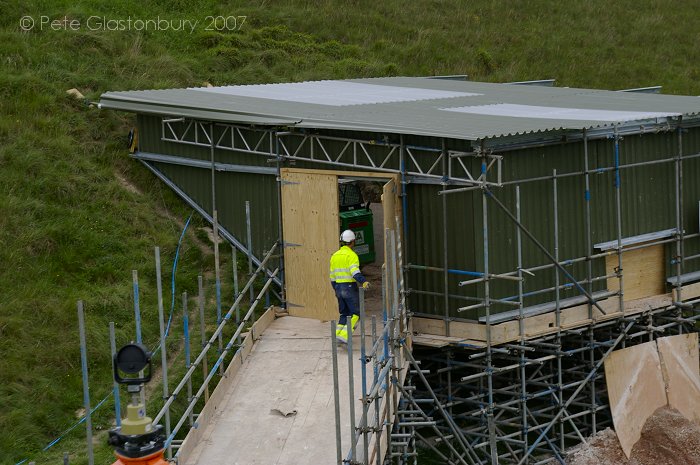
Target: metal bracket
291, 244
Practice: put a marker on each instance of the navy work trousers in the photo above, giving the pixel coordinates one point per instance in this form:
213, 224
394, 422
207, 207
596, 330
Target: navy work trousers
348, 301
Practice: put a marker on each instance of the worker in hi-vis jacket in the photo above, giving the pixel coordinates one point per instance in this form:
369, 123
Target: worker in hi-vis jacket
345, 276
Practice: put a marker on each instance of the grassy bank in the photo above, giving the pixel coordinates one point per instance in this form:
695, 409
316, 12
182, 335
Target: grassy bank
78, 215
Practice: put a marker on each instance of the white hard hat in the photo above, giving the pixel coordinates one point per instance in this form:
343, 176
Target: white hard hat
347, 236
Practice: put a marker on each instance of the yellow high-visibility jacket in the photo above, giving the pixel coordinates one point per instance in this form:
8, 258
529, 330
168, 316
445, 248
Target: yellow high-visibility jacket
345, 267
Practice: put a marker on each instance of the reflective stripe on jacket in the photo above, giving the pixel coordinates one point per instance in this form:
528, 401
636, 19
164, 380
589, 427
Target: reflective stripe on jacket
345, 266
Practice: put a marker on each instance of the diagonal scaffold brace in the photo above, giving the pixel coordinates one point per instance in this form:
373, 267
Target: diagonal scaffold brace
544, 250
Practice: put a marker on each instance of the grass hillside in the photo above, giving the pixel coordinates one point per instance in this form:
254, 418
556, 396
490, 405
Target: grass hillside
76, 215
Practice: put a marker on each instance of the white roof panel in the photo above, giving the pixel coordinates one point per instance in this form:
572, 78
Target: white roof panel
558, 113
335, 93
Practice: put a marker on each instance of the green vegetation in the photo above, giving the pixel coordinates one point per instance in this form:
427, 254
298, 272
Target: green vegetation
69, 227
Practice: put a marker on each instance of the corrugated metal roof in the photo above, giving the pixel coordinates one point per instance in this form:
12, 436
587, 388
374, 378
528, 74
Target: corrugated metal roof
409, 106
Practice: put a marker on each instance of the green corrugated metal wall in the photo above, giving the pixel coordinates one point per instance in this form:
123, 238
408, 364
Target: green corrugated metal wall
647, 204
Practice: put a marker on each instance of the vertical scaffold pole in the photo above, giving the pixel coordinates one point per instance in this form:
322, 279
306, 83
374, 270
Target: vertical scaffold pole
249, 235
351, 391
589, 273
618, 216
445, 250
280, 226
217, 284
679, 214
487, 307
375, 380
137, 318
363, 368
521, 320
115, 387
557, 293
212, 148
163, 346
336, 396
186, 332
203, 333
86, 385
234, 259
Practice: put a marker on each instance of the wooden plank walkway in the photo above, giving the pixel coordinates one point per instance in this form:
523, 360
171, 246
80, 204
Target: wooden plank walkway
278, 409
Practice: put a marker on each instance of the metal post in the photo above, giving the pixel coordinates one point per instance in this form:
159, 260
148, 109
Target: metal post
217, 273
589, 240
137, 309
279, 219
679, 214
618, 218
363, 367
487, 307
351, 391
66, 459
163, 345
521, 319
560, 393
375, 380
186, 331
137, 317
115, 387
234, 259
212, 152
86, 386
203, 333
445, 255
336, 396
249, 235
589, 272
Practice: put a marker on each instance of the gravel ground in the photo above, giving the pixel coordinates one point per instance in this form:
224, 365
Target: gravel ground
668, 438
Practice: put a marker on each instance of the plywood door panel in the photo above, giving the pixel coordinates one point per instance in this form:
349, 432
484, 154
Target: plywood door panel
643, 272
679, 357
636, 389
309, 219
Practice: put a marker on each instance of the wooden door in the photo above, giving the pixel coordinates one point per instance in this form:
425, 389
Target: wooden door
310, 226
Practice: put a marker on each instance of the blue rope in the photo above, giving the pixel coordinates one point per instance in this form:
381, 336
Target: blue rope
71, 428
172, 282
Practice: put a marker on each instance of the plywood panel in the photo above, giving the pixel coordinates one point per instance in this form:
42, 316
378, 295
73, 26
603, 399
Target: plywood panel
643, 272
681, 368
635, 389
310, 219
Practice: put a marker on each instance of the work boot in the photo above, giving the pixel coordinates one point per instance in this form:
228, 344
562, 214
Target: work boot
354, 319
341, 333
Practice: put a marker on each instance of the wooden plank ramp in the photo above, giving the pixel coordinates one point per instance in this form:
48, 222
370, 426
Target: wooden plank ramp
278, 406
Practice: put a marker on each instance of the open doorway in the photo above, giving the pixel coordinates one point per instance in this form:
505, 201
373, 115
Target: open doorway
312, 223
